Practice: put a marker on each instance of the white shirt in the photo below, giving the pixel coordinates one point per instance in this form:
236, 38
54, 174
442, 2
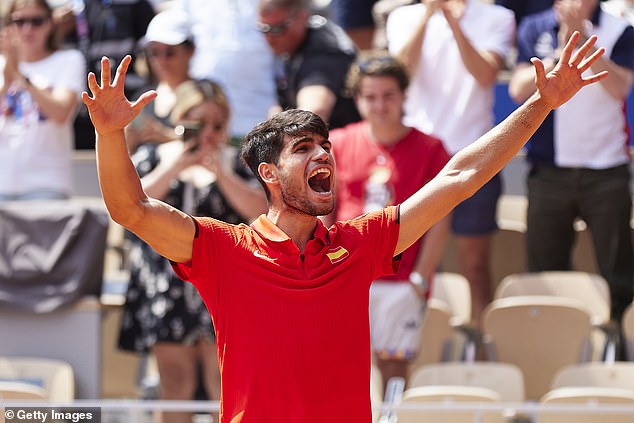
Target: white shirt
230, 51
444, 99
36, 152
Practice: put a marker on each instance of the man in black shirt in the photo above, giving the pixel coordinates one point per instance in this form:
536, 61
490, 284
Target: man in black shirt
313, 56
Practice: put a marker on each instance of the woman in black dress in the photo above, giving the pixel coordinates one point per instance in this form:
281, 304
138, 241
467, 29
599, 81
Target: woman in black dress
202, 175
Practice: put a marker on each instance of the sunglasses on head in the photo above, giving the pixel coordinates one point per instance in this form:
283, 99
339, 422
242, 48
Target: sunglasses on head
35, 21
276, 29
372, 63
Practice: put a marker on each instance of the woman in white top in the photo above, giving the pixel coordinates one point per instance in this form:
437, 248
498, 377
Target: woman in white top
39, 92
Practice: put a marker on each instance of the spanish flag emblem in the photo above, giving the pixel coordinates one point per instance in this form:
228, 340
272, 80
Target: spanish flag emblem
337, 254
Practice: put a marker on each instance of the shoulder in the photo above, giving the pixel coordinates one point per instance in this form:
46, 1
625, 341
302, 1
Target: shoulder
383, 218
324, 36
494, 11
429, 144
213, 230
538, 22
70, 56
339, 135
410, 11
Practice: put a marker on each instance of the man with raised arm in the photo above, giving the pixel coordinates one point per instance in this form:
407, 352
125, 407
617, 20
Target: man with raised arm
288, 296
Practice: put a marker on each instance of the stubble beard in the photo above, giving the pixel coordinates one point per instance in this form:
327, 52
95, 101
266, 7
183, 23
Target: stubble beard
301, 204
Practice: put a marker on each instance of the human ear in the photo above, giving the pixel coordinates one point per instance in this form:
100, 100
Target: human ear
268, 173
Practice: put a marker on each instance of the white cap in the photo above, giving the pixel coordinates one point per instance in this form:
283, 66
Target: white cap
169, 27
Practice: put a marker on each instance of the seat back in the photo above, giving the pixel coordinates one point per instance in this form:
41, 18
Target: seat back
590, 289
585, 400
445, 398
628, 330
453, 289
54, 377
538, 334
436, 334
619, 374
503, 378
21, 391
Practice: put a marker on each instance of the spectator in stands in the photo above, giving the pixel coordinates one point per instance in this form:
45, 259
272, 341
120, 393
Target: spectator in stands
202, 176
624, 8
39, 92
288, 296
454, 50
523, 8
382, 162
579, 156
231, 52
168, 48
98, 28
355, 17
313, 56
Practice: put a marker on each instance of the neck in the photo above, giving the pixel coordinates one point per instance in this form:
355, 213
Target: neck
33, 55
388, 134
174, 82
297, 225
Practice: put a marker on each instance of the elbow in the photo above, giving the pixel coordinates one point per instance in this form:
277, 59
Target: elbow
488, 79
127, 216
517, 95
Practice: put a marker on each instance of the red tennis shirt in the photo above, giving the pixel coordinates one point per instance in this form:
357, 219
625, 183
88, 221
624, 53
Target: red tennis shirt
292, 327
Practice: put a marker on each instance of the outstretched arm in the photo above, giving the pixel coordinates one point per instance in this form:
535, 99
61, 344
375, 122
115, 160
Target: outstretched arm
473, 166
169, 231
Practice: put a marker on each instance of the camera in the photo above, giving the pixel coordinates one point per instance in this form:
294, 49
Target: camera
189, 132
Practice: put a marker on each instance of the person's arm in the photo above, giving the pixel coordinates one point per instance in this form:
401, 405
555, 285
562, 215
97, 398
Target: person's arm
431, 252
245, 198
57, 104
482, 65
619, 80
166, 229
472, 167
318, 99
409, 54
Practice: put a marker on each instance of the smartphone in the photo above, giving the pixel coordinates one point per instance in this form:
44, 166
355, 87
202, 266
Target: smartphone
189, 132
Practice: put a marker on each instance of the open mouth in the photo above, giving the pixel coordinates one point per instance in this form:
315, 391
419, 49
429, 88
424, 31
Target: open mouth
319, 180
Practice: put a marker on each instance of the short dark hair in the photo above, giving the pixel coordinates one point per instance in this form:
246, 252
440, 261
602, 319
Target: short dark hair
264, 143
376, 64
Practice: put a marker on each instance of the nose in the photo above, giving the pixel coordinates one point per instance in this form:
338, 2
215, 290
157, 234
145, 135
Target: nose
321, 153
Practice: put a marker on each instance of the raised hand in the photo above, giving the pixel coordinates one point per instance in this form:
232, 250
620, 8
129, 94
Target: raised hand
109, 109
566, 79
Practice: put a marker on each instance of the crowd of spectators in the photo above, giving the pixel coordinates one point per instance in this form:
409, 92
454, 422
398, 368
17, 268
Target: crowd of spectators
220, 67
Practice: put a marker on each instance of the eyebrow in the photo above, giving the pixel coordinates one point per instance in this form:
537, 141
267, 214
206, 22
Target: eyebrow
305, 139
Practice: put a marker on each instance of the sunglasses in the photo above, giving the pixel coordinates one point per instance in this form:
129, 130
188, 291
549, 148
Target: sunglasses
35, 21
277, 29
167, 53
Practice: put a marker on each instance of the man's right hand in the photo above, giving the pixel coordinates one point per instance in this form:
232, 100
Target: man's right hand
110, 110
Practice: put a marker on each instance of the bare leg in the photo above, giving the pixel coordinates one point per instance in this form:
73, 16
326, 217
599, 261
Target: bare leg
392, 368
177, 367
474, 258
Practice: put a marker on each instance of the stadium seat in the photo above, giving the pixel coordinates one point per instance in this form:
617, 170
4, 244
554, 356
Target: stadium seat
503, 378
54, 378
539, 334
